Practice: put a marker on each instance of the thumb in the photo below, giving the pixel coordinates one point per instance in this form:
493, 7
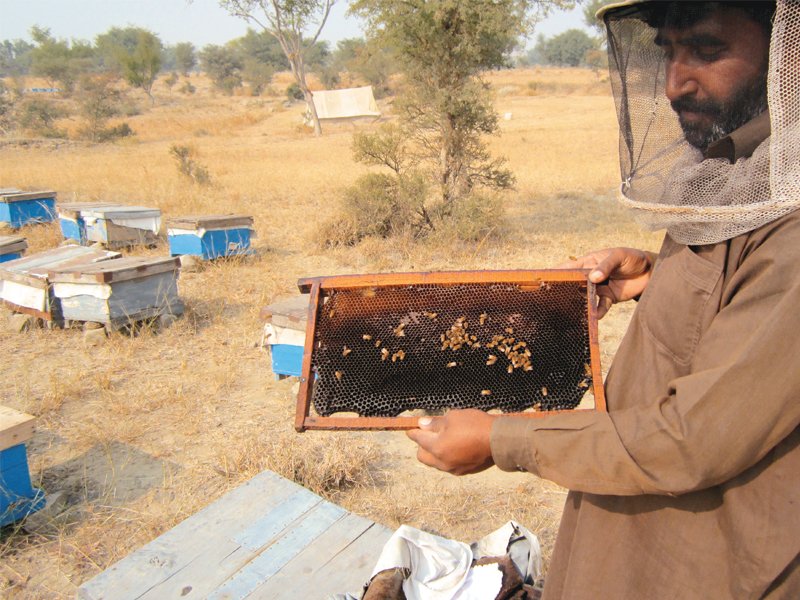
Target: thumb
428, 423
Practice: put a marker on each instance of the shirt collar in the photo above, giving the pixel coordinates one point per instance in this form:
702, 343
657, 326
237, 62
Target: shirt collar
742, 142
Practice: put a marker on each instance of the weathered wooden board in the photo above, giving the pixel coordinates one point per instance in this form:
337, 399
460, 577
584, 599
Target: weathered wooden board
20, 196
289, 312
122, 269
194, 222
15, 427
24, 282
12, 244
268, 538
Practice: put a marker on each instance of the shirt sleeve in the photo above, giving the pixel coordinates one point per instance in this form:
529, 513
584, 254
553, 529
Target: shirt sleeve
737, 402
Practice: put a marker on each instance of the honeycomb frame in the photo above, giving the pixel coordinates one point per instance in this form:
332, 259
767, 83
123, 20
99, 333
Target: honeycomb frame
388, 321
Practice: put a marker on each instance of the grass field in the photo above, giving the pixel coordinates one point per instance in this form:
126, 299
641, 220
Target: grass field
139, 433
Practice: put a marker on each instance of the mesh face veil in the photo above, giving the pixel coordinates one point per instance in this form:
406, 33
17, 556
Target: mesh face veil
667, 181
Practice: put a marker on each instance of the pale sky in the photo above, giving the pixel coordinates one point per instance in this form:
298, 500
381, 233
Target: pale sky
199, 21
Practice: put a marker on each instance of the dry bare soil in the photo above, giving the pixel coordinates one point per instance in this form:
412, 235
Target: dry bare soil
139, 433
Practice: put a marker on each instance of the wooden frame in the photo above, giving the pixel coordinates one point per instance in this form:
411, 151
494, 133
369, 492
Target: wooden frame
316, 286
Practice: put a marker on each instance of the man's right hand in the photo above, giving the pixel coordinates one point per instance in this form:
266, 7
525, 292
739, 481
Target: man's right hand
620, 274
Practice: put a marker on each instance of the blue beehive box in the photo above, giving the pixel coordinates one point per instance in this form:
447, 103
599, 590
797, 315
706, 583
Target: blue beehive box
11, 247
70, 218
24, 208
285, 333
209, 237
18, 498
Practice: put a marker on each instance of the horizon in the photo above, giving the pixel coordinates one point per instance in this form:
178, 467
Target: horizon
201, 22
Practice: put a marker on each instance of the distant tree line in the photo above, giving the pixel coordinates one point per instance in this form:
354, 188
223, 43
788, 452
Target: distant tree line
138, 56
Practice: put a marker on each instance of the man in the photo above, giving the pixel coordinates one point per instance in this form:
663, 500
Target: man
689, 487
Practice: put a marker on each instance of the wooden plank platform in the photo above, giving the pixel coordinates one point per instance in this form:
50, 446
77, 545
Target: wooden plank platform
269, 538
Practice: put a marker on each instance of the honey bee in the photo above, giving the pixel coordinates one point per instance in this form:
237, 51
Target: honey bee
482, 318
509, 330
398, 331
368, 293
450, 365
330, 314
486, 392
528, 368
491, 359
384, 353
366, 336
401, 354
431, 315
338, 375
583, 384
510, 368
377, 343
587, 370
346, 351
544, 391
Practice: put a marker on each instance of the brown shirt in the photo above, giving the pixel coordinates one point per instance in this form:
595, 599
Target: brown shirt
689, 487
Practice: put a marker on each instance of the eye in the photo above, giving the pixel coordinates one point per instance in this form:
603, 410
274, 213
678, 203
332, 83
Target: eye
707, 53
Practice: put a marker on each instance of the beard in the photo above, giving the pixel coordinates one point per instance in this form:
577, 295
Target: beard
748, 102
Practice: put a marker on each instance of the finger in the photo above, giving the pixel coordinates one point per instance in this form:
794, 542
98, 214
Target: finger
426, 458
429, 423
603, 305
424, 439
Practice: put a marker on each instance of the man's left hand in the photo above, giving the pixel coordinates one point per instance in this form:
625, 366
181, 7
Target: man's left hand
457, 442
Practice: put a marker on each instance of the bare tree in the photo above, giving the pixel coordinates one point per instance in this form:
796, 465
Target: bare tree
296, 24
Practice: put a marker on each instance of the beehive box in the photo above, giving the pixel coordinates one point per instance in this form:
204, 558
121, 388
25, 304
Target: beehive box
70, 218
120, 292
118, 226
18, 498
285, 332
25, 284
210, 237
18, 208
11, 247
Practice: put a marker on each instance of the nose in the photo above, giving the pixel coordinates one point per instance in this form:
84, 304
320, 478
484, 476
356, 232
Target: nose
680, 79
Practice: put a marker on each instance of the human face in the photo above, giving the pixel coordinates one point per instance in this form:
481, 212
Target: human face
715, 73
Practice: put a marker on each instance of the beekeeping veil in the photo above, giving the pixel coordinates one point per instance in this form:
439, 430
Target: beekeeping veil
697, 197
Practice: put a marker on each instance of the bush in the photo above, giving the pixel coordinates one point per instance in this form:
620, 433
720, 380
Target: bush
293, 92
187, 88
475, 218
376, 205
109, 134
188, 166
38, 116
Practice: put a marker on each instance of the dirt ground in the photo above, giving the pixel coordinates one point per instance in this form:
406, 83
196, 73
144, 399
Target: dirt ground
138, 433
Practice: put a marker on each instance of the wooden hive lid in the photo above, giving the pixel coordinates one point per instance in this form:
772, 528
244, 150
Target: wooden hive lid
39, 266
74, 209
12, 243
210, 221
20, 196
121, 211
290, 312
121, 269
15, 427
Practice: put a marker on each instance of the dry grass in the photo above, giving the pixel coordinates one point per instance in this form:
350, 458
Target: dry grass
143, 431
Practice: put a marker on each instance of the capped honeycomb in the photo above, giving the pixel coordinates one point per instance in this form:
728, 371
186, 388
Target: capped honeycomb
382, 350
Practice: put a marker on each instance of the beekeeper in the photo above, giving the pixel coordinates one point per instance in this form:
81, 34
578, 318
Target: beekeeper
689, 487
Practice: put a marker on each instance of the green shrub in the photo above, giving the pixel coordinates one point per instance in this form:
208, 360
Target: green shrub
39, 116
